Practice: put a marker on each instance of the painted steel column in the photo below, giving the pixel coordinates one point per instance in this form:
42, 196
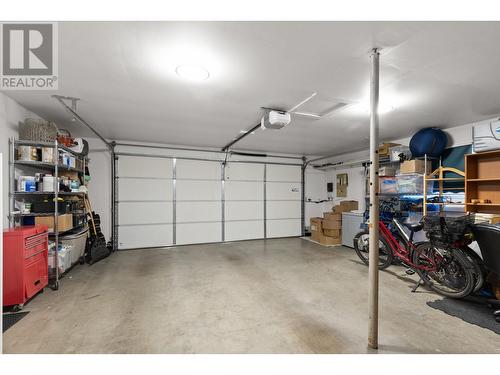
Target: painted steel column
303, 196
374, 205
223, 201
174, 201
265, 201
114, 206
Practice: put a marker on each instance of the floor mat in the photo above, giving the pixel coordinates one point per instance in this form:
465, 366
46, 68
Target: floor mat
9, 319
469, 310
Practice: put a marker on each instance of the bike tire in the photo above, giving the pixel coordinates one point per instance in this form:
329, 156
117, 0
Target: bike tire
479, 270
464, 267
362, 250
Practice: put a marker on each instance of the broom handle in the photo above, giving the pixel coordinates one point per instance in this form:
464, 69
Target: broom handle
89, 209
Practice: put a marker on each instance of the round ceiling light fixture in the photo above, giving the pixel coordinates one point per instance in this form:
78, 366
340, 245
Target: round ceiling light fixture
193, 73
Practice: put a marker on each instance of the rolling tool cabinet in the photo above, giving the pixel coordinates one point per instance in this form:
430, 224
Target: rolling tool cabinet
25, 268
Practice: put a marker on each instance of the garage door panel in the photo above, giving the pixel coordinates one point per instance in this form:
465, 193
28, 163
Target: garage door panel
244, 172
138, 236
191, 233
288, 173
244, 230
198, 211
198, 190
244, 210
145, 212
147, 205
136, 166
198, 170
144, 189
283, 228
283, 191
239, 190
283, 209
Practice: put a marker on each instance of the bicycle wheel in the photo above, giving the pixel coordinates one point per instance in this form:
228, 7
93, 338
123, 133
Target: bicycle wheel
479, 270
362, 246
454, 276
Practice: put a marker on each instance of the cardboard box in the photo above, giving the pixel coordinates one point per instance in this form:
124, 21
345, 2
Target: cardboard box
386, 171
64, 222
316, 224
383, 149
332, 224
347, 206
316, 236
335, 233
495, 220
325, 240
415, 166
332, 215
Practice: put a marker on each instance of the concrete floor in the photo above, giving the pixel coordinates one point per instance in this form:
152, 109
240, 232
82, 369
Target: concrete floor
274, 296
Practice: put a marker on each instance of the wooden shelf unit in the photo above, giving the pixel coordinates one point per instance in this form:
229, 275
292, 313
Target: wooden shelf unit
439, 176
482, 181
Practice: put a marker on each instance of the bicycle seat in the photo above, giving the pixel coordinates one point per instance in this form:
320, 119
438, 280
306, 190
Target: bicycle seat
414, 227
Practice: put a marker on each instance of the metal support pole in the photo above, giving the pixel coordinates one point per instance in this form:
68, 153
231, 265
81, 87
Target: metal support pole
265, 201
303, 196
374, 206
56, 214
114, 213
174, 201
223, 201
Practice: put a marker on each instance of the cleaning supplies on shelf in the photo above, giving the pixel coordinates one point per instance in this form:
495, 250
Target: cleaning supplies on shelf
26, 184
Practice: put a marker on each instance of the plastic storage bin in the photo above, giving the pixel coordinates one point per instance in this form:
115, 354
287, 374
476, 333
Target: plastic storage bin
64, 261
388, 185
76, 241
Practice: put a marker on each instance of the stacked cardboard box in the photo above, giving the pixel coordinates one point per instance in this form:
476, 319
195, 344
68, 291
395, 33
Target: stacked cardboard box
328, 229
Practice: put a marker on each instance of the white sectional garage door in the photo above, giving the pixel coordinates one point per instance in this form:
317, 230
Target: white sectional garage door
244, 201
175, 201
145, 202
198, 201
283, 200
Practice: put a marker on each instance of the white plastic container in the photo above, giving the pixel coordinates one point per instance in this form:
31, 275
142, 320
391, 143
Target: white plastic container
48, 183
64, 259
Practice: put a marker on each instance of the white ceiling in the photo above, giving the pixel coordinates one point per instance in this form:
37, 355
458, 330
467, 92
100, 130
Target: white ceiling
433, 73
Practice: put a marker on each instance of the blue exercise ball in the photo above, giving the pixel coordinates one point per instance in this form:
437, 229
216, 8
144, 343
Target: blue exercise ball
428, 141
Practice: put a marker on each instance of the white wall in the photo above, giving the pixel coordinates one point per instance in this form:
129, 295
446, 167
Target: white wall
11, 113
315, 190
100, 184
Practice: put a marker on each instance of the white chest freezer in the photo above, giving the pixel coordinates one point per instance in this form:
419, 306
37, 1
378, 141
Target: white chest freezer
351, 225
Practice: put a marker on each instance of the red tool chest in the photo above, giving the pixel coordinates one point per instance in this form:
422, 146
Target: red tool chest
25, 268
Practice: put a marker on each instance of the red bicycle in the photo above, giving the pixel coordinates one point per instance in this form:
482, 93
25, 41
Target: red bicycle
444, 269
